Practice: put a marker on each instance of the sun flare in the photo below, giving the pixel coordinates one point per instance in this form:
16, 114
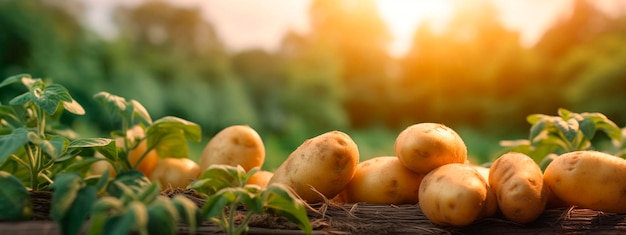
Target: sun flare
404, 16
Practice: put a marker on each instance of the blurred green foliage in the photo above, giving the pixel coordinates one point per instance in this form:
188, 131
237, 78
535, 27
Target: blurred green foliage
474, 76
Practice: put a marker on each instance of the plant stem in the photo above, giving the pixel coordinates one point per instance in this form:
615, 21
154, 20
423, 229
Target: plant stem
33, 170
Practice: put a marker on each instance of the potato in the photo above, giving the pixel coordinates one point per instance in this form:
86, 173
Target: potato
383, 180
426, 146
589, 179
518, 183
260, 178
326, 162
483, 171
175, 172
456, 195
235, 145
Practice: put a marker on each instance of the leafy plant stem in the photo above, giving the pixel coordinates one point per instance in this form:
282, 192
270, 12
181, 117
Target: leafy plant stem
33, 167
20, 161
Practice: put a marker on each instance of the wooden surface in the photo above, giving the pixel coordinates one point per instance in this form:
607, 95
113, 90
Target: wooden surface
376, 219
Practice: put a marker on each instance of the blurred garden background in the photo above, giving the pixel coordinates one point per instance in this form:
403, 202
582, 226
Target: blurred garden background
464, 66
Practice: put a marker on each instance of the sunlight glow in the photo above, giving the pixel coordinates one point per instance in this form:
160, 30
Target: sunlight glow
404, 16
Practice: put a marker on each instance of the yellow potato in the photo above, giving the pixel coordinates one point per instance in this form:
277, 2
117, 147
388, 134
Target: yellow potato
383, 180
260, 178
589, 179
518, 183
484, 171
326, 162
175, 172
456, 195
426, 146
235, 145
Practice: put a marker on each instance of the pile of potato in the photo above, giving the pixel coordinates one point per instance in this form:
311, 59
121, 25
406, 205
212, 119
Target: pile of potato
431, 169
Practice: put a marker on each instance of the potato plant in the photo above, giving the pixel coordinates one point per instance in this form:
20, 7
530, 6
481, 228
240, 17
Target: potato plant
36, 151
553, 135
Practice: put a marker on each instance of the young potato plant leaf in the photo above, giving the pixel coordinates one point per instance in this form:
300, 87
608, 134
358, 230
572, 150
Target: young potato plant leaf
135, 216
162, 216
74, 107
73, 221
15, 202
588, 128
188, 212
215, 178
114, 104
50, 97
568, 128
66, 187
172, 144
279, 199
140, 111
149, 194
534, 118
216, 203
21, 99
133, 180
54, 147
192, 131
14, 79
565, 114
537, 129
12, 142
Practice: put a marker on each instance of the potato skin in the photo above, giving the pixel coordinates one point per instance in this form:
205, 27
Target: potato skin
326, 162
234, 145
518, 183
456, 195
260, 178
425, 146
589, 179
383, 180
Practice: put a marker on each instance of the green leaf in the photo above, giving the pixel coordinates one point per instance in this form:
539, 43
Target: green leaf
564, 113
21, 99
536, 129
215, 205
102, 209
140, 111
568, 128
534, 118
215, 178
149, 194
188, 212
588, 128
50, 97
66, 187
73, 221
162, 217
15, 202
133, 179
114, 104
13, 79
74, 107
192, 131
12, 142
54, 147
172, 144
90, 142
136, 216
279, 199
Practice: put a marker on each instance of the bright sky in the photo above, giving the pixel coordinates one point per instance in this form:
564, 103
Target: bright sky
244, 24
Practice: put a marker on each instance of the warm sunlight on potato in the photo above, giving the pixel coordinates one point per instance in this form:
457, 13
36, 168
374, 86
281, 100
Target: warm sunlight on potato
326, 162
260, 178
235, 145
456, 195
589, 179
383, 180
426, 146
518, 183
